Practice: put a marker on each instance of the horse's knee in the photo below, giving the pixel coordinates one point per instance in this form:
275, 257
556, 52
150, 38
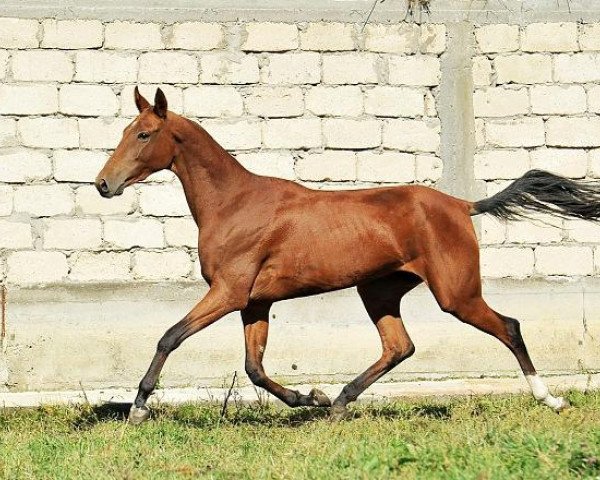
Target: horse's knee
397, 354
256, 374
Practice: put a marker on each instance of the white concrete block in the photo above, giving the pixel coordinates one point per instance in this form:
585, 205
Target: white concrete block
88, 100
134, 232
594, 163
72, 234
501, 164
593, 99
506, 262
181, 232
327, 36
72, 34
8, 132
105, 67
168, 67
550, 37
49, 132
398, 38
28, 99
132, 36
493, 230
589, 36
328, 166
15, 235
18, 33
429, 168
386, 167
350, 68
229, 68
497, 38
292, 68
270, 164
500, 102
163, 201
412, 135
161, 265
414, 70
335, 101
44, 200
4, 56
30, 267
101, 132
433, 38
520, 132
89, 202
99, 267
275, 102
583, 231
577, 68
482, 71
558, 99
525, 69
78, 165
385, 101
42, 66
197, 36
346, 133
6, 200
270, 37
543, 229
573, 131
569, 163
212, 101
564, 260
292, 133
22, 165
238, 135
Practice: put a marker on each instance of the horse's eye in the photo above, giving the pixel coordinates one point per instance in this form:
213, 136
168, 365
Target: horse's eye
143, 136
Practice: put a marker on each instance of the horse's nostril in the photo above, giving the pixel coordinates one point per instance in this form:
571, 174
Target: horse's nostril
103, 186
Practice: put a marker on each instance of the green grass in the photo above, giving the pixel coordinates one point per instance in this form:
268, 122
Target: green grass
458, 438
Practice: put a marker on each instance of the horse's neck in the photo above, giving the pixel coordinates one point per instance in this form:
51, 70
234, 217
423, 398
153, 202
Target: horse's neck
210, 176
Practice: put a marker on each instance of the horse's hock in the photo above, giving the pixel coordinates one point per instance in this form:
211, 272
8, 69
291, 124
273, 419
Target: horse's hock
466, 101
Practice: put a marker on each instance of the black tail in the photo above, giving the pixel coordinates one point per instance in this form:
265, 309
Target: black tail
543, 192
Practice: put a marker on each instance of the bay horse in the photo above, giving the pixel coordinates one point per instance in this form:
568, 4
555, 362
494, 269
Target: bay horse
264, 239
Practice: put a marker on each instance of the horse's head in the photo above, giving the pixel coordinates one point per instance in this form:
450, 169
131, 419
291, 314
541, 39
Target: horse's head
147, 146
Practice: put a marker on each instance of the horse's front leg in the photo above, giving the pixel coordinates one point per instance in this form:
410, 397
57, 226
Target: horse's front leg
219, 301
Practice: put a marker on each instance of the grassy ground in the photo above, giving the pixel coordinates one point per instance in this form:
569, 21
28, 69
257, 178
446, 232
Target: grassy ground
462, 438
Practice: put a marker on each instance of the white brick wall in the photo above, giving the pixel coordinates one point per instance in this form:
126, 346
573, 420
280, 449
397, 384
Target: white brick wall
309, 101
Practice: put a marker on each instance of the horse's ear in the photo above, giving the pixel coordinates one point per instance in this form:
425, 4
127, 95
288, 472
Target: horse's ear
160, 104
140, 102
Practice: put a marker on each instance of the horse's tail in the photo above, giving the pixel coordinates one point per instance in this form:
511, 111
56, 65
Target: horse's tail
543, 192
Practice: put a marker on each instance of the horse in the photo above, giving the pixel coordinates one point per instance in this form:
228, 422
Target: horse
264, 239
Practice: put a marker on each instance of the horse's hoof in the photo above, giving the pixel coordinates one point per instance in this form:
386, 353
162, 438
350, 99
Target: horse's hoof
319, 399
563, 404
338, 413
138, 415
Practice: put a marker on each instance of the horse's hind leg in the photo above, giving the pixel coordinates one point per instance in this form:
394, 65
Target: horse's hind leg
256, 330
382, 301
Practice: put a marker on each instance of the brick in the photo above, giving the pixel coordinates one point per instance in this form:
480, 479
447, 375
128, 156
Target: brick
349, 68
479, 132
212, 101
88, 100
275, 102
385, 167
327, 37
351, 133
583, 231
327, 166
550, 37
577, 68
28, 99
292, 133
161, 265
544, 229
558, 99
3, 64
271, 164
589, 37
593, 98
526, 69
44, 200
412, 135
500, 102
174, 97
78, 165
6, 200
15, 235
555, 260
384, 101
168, 67
433, 38
573, 132
72, 233
292, 68
132, 36
163, 201
493, 231
239, 135
8, 132
482, 71
504, 164
21, 165
42, 66
30, 267
398, 38
522, 132
569, 163
101, 132
497, 38
429, 168
49, 132
181, 232
197, 36
506, 262
225, 68
270, 37
18, 33
414, 70
100, 267
72, 34
335, 101
105, 67
594, 158
135, 232
89, 202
